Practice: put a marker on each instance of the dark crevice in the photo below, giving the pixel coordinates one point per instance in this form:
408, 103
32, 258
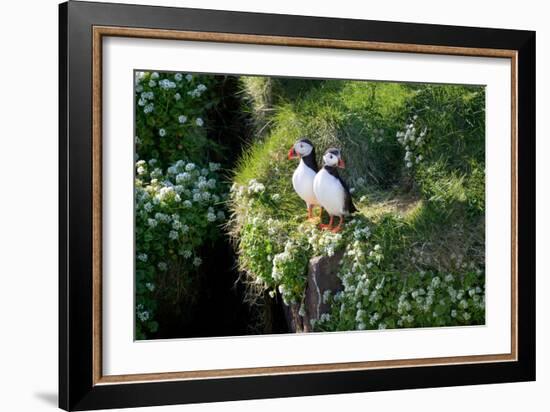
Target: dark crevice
219, 307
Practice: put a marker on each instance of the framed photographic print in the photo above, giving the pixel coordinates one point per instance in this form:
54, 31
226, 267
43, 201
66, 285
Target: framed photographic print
257, 205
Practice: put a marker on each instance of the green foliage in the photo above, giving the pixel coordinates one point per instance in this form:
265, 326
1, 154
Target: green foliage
385, 290
444, 142
414, 254
177, 212
171, 116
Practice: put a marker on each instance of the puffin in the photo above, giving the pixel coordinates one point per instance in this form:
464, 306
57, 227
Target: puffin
331, 191
302, 179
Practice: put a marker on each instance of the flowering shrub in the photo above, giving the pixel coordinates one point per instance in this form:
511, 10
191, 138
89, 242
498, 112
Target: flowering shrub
177, 211
374, 297
413, 142
171, 112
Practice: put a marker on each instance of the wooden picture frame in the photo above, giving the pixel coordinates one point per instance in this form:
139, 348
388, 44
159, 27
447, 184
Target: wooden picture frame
81, 382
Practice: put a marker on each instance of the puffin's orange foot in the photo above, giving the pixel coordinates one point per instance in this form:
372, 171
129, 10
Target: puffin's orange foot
329, 226
336, 229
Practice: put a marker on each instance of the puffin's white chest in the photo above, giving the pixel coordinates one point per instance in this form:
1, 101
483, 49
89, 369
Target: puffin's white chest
302, 181
330, 193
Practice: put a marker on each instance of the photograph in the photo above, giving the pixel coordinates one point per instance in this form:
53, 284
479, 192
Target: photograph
270, 205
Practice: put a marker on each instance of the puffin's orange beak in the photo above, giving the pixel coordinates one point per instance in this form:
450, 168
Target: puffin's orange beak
341, 163
292, 153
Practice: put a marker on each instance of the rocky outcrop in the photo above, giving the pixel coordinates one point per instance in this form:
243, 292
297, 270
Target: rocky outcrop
322, 276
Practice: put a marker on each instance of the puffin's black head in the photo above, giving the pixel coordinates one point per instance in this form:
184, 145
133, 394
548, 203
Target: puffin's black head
333, 158
302, 148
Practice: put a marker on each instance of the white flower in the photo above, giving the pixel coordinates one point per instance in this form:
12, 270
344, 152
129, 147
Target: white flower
190, 167
187, 254
326, 295
276, 197
178, 77
197, 261
162, 132
214, 166
167, 84
183, 177
152, 222
199, 122
302, 311
211, 217
165, 192
141, 170
173, 235
377, 247
156, 174
154, 75
188, 77
152, 83
255, 187
149, 108
162, 266
409, 164
211, 183
150, 286
182, 119
177, 96
143, 316
325, 317
187, 204
142, 257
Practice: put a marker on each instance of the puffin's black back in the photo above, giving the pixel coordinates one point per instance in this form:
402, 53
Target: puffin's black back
311, 159
348, 201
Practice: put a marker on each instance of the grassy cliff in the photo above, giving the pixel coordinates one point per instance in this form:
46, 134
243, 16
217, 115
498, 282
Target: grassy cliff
414, 253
